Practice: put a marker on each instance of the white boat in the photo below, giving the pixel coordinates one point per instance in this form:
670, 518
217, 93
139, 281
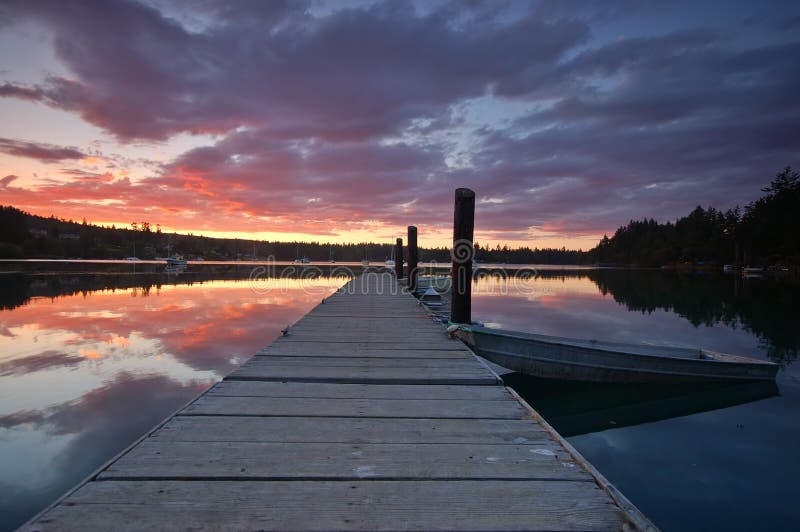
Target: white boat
304, 260
553, 357
431, 298
439, 283
176, 261
365, 262
132, 258
390, 263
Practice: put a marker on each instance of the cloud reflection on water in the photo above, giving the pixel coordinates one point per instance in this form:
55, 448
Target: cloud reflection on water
84, 375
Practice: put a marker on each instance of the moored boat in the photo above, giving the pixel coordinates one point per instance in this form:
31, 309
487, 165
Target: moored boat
176, 261
431, 298
594, 361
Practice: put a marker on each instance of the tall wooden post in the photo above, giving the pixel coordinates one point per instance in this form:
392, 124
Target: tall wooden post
462, 255
412, 258
398, 258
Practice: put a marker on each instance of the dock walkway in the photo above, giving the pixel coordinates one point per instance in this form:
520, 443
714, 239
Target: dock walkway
365, 416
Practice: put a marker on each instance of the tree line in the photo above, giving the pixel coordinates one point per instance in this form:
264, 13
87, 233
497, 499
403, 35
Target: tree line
766, 232
24, 235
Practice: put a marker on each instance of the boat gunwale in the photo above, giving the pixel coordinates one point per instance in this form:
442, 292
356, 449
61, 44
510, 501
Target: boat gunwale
488, 354
699, 354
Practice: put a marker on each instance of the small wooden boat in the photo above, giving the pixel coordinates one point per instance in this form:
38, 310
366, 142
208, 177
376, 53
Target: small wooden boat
553, 357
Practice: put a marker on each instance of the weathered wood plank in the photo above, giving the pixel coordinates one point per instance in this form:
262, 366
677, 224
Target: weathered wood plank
356, 391
358, 505
433, 364
279, 406
356, 375
297, 344
350, 430
371, 353
228, 460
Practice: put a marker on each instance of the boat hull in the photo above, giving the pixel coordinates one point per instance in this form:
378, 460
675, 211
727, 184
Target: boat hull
570, 360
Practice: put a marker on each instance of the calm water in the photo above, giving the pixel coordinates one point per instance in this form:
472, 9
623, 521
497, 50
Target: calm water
94, 355
90, 362
690, 457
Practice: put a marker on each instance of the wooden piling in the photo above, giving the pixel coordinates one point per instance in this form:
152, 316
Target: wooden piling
412, 258
398, 258
462, 255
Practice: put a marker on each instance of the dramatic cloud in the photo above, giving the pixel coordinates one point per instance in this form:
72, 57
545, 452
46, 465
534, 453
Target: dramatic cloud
36, 150
565, 119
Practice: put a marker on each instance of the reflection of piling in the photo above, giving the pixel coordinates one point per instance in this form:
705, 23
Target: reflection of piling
412, 258
398, 258
463, 253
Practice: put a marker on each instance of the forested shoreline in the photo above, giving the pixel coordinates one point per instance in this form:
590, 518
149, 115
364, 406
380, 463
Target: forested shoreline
766, 232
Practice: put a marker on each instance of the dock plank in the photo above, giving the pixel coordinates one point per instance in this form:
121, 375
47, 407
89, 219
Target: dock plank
355, 374
278, 406
356, 391
360, 505
350, 430
279, 461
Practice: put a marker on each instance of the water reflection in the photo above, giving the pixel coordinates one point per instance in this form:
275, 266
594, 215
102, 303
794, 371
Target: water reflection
575, 408
89, 362
764, 308
719, 457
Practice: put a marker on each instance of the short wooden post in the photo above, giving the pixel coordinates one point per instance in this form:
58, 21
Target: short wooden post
462, 255
398, 258
412, 258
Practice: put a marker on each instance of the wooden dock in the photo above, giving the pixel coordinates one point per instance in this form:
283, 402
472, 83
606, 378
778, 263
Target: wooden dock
365, 416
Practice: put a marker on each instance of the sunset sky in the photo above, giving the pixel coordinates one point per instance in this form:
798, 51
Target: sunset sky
347, 121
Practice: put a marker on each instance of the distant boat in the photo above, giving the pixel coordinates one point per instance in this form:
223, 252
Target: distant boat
132, 258
365, 262
176, 261
389, 263
439, 283
752, 273
304, 260
552, 357
431, 298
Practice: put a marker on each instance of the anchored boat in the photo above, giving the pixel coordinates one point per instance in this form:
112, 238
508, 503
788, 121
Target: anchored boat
553, 357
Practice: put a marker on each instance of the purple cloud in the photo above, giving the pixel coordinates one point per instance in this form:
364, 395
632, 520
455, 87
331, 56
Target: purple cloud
37, 150
332, 116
